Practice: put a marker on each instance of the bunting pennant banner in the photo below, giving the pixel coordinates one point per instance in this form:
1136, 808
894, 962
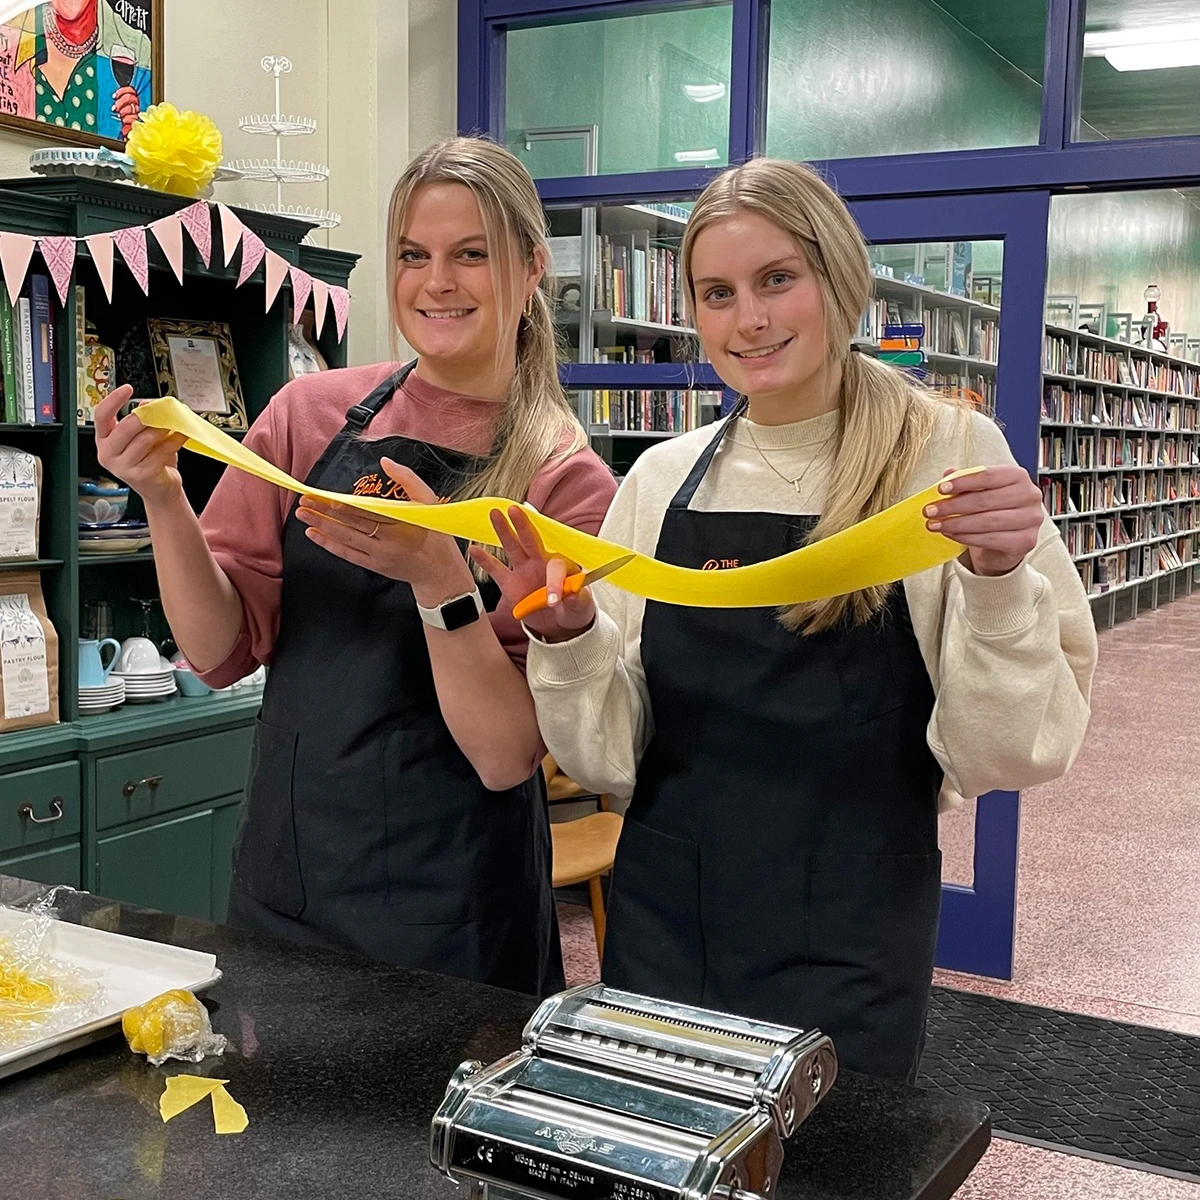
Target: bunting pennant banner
253, 250
132, 244
301, 290
101, 245
277, 269
231, 231
16, 249
320, 298
168, 232
197, 221
58, 253
61, 253
340, 298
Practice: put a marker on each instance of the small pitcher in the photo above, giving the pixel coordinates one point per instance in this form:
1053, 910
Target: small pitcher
93, 673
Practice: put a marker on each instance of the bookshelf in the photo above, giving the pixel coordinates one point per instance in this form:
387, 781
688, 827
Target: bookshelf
1119, 465
197, 748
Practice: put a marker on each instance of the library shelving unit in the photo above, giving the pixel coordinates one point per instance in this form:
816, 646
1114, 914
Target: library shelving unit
140, 803
622, 320
962, 335
1119, 465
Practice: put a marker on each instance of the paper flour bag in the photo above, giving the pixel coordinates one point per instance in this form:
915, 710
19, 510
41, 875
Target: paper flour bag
28, 655
20, 504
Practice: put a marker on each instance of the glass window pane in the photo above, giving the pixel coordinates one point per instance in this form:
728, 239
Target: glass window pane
655, 86
936, 309
1120, 445
1141, 69
865, 78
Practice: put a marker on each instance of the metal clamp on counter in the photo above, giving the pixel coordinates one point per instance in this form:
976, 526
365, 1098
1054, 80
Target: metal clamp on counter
615, 1096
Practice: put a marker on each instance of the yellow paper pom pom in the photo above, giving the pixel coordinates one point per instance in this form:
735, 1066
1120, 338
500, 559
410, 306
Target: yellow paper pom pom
173, 151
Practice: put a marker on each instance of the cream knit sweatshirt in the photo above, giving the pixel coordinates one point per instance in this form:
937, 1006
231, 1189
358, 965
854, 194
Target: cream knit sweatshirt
1010, 658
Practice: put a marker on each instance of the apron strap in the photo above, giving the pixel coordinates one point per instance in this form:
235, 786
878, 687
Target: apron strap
683, 497
363, 413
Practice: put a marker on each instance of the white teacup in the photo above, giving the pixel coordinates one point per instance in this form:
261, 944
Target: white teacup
139, 656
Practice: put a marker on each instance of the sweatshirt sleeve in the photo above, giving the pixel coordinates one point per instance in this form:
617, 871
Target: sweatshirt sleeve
243, 525
590, 692
1015, 663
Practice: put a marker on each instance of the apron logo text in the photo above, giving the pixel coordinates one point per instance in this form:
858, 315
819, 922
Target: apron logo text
722, 564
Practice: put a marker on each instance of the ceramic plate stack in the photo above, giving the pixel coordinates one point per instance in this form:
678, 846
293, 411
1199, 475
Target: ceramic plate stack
123, 537
95, 700
145, 687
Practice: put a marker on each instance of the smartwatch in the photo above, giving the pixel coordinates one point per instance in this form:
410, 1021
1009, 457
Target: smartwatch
454, 613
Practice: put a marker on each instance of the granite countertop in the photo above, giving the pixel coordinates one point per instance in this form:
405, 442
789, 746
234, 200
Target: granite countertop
340, 1063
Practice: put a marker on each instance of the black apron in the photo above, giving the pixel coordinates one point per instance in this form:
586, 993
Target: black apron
779, 857
365, 827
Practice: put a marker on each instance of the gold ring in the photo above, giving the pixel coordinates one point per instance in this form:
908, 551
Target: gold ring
374, 531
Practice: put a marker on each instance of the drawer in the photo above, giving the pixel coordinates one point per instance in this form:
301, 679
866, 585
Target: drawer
159, 779
60, 865
39, 805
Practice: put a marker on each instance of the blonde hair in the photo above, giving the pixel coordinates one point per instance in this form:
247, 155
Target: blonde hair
885, 418
538, 422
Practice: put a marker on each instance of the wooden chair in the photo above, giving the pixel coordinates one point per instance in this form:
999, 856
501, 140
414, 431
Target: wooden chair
584, 848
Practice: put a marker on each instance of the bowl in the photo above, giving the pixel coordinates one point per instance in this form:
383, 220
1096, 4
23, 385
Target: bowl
102, 501
189, 684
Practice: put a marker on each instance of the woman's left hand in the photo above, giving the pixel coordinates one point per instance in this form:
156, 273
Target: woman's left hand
996, 513
396, 550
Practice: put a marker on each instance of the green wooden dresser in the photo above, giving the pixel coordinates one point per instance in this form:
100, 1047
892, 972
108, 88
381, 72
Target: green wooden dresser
142, 803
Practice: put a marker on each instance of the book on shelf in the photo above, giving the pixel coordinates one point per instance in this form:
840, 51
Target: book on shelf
8, 347
45, 406
648, 411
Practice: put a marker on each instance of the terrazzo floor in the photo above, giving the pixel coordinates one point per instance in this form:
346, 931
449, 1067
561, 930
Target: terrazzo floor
1107, 916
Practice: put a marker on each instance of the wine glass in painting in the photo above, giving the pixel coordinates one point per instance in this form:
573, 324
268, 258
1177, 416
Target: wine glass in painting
123, 62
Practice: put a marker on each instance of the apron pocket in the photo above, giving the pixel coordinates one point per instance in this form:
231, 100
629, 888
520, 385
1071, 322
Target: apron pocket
872, 932
265, 860
456, 851
655, 940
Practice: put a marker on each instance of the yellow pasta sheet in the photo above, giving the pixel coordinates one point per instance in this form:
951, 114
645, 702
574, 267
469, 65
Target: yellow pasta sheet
881, 549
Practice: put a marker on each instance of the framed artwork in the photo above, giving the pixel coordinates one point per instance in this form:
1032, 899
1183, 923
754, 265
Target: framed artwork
194, 362
81, 70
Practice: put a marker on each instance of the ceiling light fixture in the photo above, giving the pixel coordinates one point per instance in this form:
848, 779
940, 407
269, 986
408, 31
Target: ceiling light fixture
1153, 49
704, 93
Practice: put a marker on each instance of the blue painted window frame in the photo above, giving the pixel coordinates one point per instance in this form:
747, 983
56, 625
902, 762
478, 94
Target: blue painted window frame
964, 195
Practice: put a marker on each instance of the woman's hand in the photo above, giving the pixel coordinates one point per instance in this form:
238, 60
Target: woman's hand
529, 568
430, 561
127, 105
996, 513
146, 459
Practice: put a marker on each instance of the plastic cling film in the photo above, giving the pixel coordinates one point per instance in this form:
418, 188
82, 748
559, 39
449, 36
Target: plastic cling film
172, 1025
41, 996
882, 549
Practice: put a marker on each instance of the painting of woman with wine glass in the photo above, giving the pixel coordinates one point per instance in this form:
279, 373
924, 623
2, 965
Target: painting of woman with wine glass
81, 70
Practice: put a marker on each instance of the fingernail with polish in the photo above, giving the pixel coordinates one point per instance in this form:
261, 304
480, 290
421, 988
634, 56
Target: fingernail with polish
946, 488
551, 599
931, 510
934, 526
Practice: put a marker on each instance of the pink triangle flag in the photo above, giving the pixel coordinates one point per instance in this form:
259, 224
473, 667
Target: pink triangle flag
277, 269
16, 249
252, 254
132, 244
302, 283
231, 231
168, 232
341, 308
59, 256
101, 246
197, 220
320, 293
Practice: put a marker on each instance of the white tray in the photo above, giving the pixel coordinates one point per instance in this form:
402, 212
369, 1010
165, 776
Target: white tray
132, 971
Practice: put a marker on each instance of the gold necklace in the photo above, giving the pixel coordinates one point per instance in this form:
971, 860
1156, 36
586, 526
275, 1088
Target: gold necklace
799, 478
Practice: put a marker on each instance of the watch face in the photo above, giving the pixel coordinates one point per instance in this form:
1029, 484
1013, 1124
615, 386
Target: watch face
460, 612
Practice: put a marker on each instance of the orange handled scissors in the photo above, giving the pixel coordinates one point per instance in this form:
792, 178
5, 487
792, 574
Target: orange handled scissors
572, 586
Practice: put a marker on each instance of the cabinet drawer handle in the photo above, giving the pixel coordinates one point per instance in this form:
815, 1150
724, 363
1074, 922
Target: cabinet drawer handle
56, 807
151, 781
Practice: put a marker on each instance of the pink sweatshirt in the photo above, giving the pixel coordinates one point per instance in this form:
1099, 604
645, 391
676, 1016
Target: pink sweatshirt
244, 518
